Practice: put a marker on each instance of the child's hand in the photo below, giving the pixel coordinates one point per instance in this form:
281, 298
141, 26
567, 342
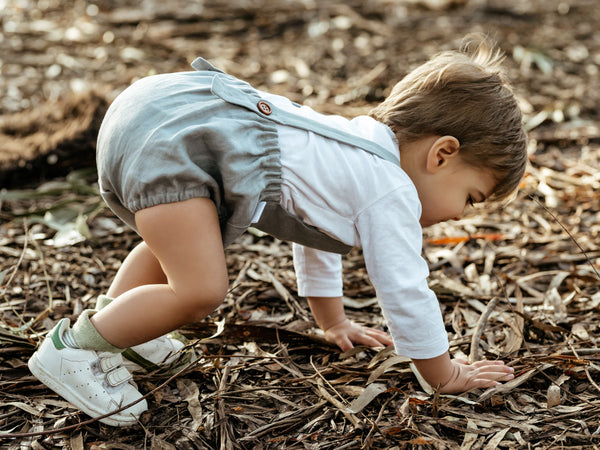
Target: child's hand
454, 376
480, 374
346, 333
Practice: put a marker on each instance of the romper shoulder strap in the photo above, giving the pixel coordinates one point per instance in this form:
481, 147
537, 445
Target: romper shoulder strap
287, 118
229, 89
200, 64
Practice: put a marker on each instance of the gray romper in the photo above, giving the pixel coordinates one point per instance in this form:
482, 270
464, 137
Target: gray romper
178, 136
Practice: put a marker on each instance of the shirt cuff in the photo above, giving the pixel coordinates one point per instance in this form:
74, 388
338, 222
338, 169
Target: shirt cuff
318, 273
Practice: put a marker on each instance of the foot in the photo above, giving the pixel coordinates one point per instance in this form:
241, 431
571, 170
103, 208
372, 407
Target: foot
95, 382
164, 353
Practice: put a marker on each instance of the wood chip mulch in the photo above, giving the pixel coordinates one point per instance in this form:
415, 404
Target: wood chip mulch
516, 282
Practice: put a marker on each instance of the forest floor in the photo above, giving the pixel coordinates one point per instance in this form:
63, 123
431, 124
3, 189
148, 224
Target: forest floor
518, 283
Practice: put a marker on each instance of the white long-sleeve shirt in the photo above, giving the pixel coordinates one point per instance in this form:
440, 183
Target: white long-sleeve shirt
363, 201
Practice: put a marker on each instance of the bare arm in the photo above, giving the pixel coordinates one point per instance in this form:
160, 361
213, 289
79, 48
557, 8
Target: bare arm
327, 311
331, 318
455, 376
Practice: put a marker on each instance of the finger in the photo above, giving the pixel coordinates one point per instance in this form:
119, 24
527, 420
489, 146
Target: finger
507, 377
495, 376
494, 369
374, 332
377, 332
364, 339
502, 376
490, 381
482, 384
339, 339
381, 336
344, 343
485, 362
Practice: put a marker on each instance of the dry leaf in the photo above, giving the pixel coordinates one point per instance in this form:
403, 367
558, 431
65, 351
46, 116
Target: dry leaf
553, 396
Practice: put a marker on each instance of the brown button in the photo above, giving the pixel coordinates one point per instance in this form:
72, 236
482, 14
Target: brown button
264, 108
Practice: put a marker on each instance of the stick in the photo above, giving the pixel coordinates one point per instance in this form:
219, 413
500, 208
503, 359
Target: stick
475, 354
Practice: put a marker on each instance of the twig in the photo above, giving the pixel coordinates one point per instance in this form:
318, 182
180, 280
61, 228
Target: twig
291, 418
46, 277
25, 324
587, 372
343, 409
325, 380
475, 354
225, 441
21, 256
339, 405
374, 423
568, 232
283, 292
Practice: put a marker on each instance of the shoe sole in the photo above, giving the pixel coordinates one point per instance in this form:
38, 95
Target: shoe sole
37, 369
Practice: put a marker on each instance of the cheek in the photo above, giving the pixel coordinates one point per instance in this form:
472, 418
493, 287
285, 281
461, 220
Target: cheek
441, 203
434, 210
442, 207
437, 203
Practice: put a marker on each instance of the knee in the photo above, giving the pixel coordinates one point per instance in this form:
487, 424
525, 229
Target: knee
216, 291
197, 302
212, 297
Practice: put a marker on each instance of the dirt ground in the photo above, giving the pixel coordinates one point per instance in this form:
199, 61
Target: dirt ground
519, 283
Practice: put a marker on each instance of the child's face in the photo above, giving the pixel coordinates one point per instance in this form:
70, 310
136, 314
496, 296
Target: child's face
446, 193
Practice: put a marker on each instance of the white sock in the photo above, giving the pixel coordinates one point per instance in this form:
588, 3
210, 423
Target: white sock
68, 339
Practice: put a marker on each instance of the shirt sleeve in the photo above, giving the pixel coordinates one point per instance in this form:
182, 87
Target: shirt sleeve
391, 239
318, 273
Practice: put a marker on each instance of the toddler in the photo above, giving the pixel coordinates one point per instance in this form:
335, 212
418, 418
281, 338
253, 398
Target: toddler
190, 160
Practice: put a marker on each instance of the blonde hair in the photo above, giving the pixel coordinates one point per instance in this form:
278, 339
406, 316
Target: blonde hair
463, 94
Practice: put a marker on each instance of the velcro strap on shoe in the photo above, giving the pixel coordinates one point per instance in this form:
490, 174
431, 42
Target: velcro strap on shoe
118, 376
109, 361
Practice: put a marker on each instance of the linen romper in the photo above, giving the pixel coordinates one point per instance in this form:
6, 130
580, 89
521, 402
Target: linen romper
177, 136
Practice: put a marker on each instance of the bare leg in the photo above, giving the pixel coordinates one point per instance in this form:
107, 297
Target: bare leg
139, 268
186, 239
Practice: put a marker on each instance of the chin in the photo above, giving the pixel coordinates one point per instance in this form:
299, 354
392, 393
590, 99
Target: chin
427, 223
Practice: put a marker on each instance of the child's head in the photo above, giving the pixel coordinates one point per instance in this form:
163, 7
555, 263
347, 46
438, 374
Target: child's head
463, 94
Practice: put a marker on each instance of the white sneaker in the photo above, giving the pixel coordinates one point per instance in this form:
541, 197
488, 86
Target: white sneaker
95, 382
164, 353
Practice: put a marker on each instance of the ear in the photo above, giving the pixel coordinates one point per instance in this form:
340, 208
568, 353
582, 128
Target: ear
441, 152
